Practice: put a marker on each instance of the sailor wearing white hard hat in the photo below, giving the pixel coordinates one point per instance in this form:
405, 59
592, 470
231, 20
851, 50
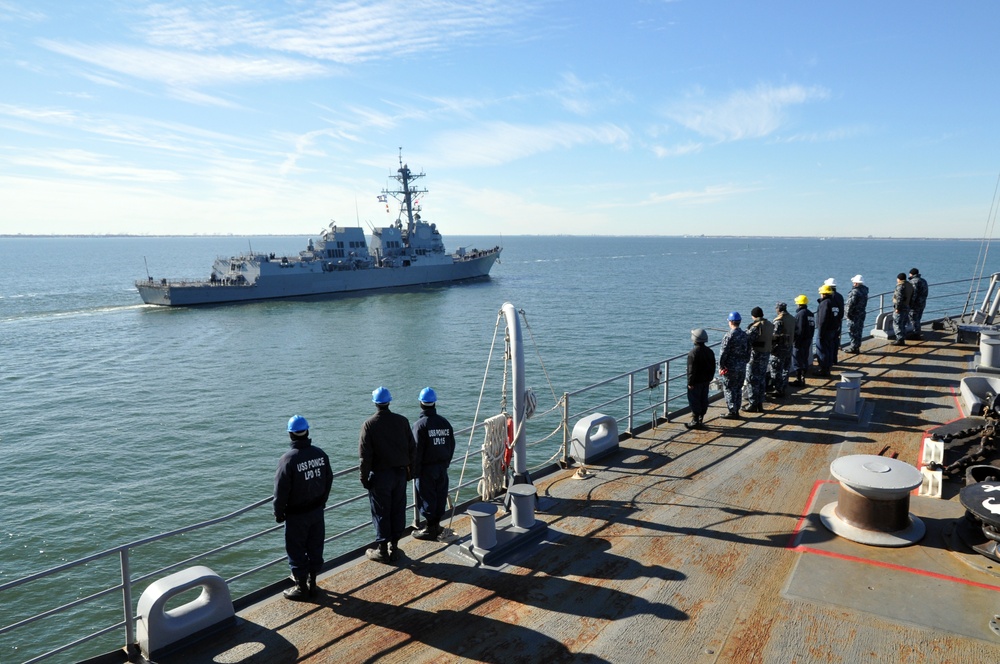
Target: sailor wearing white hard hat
837, 309
855, 310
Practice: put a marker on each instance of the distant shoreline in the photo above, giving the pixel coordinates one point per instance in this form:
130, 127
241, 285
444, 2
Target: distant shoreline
707, 237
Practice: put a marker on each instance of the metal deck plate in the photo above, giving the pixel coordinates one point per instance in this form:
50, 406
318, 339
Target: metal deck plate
929, 585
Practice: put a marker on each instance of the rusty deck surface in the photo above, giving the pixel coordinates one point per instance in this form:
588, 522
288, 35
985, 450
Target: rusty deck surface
684, 547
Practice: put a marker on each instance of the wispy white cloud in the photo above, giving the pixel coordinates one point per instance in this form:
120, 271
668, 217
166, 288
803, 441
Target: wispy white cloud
745, 114
825, 136
677, 150
582, 97
163, 137
106, 81
341, 32
191, 47
305, 145
10, 11
182, 69
708, 194
80, 163
496, 143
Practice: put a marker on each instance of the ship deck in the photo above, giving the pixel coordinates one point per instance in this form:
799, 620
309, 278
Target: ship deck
685, 546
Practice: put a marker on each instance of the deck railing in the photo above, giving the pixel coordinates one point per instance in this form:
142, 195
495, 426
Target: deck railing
637, 399
634, 402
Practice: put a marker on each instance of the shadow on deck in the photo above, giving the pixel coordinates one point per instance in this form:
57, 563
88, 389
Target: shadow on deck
684, 546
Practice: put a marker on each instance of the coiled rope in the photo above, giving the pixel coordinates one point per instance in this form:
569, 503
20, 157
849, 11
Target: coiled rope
494, 445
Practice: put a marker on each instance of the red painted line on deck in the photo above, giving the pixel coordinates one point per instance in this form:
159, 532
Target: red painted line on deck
797, 531
898, 568
805, 514
958, 404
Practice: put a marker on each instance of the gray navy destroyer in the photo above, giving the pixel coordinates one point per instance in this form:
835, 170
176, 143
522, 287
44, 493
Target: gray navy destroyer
410, 252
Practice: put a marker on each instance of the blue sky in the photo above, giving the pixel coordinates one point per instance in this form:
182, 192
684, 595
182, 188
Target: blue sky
624, 117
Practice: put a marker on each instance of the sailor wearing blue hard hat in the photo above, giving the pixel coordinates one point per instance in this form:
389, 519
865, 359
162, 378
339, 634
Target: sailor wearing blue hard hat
301, 489
435, 440
386, 449
734, 353
380, 395
427, 396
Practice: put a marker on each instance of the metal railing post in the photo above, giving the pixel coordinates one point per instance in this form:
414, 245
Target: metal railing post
416, 505
131, 646
666, 390
565, 425
631, 394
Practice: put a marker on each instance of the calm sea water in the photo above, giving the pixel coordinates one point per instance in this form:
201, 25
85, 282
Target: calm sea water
121, 420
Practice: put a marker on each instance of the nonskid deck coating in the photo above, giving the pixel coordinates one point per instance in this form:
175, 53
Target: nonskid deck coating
677, 550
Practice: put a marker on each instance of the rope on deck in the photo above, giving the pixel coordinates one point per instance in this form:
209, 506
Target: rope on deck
494, 444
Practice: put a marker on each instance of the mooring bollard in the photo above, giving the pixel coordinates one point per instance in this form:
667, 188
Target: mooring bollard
522, 498
852, 377
484, 525
847, 399
989, 352
873, 501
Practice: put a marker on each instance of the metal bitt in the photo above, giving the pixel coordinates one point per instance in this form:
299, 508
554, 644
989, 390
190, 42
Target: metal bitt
849, 404
989, 352
484, 525
522, 505
873, 503
852, 377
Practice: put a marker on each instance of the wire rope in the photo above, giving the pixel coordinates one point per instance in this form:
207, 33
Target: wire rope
475, 419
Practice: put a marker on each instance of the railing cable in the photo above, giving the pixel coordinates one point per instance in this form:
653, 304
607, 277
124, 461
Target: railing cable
984, 247
475, 420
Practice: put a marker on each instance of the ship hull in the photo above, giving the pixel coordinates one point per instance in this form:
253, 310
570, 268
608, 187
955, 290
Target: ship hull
295, 283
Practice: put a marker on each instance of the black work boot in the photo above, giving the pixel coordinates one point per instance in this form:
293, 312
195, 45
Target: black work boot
379, 554
394, 551
425, 533
299, 591
313, 588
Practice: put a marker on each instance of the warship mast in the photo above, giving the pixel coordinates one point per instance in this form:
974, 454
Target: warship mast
405, 177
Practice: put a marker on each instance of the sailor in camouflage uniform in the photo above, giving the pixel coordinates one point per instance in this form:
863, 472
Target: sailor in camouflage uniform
857, 305
901, 308
760, 333
781, 349
733, 357
917, 302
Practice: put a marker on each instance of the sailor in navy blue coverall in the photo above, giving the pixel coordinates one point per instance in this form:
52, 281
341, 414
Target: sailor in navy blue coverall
386, 450
435, 446
301, 488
